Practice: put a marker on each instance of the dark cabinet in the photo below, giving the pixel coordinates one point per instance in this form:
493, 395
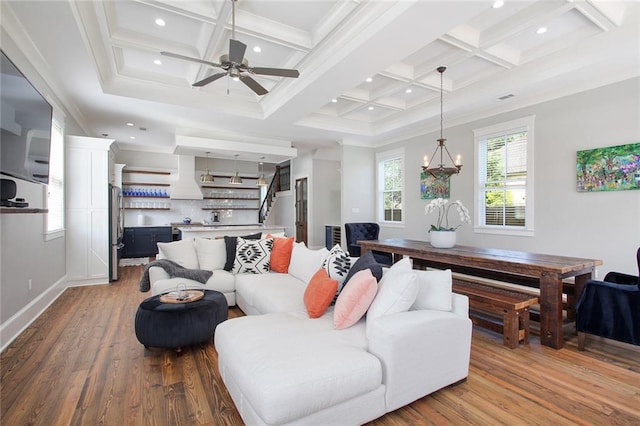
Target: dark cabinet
332, 236
142, 241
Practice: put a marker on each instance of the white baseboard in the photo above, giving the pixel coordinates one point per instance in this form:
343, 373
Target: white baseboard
82, 283
15, 325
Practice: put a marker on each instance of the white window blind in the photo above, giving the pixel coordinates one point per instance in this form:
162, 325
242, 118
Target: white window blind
55, 194
390, 186
504, 187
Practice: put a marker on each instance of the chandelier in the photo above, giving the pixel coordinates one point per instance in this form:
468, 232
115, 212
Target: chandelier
206, 177
440, 171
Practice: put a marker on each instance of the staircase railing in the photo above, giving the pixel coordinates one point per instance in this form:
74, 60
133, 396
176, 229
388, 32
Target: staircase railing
274, 186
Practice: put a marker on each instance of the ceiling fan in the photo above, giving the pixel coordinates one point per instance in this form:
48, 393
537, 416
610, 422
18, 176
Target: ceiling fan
235, 65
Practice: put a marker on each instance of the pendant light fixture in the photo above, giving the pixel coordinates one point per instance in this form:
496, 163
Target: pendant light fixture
206, 177
261, 180
440, 171
235, 179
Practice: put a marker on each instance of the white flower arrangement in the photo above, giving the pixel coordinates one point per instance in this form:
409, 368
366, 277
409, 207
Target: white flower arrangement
443, 208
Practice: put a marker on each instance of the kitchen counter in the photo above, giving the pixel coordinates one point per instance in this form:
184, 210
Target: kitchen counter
215, 231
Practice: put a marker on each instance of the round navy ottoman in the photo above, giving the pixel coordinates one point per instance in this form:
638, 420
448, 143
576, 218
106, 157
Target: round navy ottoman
176, 325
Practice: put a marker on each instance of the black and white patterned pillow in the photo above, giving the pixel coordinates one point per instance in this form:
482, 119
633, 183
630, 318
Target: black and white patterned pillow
337, 264
252, 256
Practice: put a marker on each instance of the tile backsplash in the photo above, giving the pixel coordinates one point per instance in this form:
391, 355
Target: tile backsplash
180, 209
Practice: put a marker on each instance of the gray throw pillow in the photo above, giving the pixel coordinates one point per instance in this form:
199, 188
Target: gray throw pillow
366, 261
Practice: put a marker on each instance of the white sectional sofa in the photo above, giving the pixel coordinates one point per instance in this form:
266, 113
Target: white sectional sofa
282, 367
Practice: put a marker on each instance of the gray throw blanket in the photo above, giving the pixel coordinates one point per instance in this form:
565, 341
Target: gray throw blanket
175, 271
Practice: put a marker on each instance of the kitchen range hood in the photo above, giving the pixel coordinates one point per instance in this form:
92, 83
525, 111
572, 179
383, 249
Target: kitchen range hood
186, 187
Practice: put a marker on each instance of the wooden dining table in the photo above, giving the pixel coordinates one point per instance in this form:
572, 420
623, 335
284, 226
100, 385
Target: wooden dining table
544, 271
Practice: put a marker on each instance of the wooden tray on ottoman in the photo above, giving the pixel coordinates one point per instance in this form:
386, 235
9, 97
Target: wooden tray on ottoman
191, 296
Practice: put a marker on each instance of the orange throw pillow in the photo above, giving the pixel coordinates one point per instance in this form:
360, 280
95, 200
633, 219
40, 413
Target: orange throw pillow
319, 293
281, 254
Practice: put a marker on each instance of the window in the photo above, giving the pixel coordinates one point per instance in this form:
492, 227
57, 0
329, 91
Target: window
390, 186
504, 181
55, 190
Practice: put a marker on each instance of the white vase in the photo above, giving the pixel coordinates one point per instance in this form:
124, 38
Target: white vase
443, 239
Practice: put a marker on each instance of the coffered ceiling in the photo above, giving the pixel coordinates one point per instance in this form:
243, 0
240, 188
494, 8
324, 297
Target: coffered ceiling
102, 57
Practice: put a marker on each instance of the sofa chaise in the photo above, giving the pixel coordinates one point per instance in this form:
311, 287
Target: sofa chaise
411, 337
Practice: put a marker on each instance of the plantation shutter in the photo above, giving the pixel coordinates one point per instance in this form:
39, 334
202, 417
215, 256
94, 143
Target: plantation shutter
503, 178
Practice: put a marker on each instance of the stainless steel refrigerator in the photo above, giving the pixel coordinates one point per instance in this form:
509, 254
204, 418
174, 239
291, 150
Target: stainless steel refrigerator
116, 230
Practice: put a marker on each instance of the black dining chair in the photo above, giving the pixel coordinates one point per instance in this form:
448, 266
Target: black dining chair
357, 231
610, 308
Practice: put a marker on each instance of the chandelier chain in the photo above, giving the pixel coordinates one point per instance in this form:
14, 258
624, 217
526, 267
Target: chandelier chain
441, 109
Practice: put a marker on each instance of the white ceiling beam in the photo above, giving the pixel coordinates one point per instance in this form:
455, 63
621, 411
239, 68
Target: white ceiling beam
533, 16
606, 15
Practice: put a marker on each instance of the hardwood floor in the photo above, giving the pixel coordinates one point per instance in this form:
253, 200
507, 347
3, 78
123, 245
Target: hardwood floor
80, 363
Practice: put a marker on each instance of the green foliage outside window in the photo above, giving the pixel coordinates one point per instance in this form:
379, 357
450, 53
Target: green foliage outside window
392, 190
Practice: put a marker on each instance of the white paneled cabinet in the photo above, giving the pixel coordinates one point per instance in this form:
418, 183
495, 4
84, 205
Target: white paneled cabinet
88, 165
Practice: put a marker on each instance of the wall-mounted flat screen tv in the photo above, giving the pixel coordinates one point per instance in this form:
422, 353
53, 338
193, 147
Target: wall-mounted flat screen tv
26, 126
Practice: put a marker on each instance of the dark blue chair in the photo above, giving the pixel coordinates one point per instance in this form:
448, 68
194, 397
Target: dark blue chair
610, 308
358, 231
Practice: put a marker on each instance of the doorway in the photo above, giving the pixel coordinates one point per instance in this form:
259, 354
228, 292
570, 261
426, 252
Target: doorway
301, 211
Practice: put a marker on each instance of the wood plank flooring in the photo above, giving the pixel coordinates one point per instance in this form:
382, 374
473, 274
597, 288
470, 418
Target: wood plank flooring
80, 363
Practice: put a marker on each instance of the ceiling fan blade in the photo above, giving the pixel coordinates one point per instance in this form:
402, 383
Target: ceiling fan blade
253, 85
236, 51
188, 58
209, 79
280, 72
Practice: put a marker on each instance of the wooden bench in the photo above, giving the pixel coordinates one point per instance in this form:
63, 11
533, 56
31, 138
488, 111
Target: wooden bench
511, 306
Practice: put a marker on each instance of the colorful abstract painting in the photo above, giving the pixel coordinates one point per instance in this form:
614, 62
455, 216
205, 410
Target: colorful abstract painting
614, 168
431, 187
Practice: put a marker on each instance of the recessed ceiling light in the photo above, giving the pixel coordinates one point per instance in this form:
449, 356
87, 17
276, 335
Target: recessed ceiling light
541, 30
130, 124
408, 90
157, 62
497, 4
257, 49
132, 137
334, 100
160, 22
369, 80
370, 108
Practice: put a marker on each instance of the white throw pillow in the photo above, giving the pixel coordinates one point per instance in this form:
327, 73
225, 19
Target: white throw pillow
182, 252
434, 290
397, 291
212, 254
305, 262
253, 256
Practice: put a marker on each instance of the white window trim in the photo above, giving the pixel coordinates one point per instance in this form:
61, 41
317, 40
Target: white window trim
496, 130
58, 119
383, 156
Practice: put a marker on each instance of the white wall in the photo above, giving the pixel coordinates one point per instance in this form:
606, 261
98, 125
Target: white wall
283, 212
25, 255
600, 225
358, 187
326, 193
